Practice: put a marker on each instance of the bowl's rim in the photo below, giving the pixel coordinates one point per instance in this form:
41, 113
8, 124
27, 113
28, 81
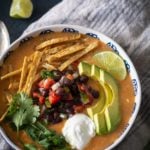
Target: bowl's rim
81, 29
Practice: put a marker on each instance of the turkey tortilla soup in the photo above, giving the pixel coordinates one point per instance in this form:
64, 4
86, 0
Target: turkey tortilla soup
64, 91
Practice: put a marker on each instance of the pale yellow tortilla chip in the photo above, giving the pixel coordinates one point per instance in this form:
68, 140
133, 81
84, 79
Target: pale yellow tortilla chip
48, 66
4, 115
23, 73
16, 72
67, 51
9, 97
56, 49
57, 40
91, 47
32, 72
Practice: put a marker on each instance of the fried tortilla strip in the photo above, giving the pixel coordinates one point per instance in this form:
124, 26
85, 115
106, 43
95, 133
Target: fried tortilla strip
66, 51
9, 97
49, 51
4, 115
14, 85
48, 67
23, 73
91, 47
32, 72
57, 40
16, 72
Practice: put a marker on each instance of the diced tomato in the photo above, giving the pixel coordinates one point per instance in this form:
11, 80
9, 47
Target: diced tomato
41, 100
69, 76
36, 95
46, 84
53, 98
41, 84
78, 109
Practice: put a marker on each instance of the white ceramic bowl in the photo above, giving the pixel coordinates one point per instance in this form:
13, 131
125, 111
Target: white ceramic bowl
116, 47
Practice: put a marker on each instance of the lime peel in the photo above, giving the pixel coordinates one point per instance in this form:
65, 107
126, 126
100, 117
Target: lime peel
112, 63
21, 9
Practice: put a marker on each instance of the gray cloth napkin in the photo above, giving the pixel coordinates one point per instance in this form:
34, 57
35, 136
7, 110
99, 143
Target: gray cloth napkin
128, 23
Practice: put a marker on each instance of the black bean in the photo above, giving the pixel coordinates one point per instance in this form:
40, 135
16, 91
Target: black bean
56, 114
89, 88
83, 79
70, 110
50, 118
77, 79
95, 93
57, 120
60, 91
65, 81
57, 75
74, 89
69, 71
77, 101
51, 110
68, 105
43, 92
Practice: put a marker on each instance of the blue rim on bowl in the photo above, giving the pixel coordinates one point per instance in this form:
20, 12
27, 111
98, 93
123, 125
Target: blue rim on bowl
115, 47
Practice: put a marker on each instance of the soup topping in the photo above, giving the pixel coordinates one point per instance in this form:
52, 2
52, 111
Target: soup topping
78, 131
62, 94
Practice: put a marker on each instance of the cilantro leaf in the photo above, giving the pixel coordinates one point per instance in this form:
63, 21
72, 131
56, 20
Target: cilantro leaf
48, 139
22, 111
29, 147
45, 74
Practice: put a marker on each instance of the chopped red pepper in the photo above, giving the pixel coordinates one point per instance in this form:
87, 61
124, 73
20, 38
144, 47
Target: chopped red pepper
54, 98
46, 84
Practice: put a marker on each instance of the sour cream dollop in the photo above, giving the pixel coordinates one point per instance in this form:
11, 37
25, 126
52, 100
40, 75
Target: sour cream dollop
78, 131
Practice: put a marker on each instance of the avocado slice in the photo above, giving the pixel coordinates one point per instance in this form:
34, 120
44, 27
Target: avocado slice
93, 72
111, 112
84, 68
105, 113
98, 107
113, 106
100, 124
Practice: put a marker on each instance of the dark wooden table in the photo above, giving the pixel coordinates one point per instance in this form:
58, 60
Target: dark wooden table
17, 26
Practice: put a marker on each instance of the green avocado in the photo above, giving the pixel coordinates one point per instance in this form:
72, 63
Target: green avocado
105, 113
93, 72
113, 107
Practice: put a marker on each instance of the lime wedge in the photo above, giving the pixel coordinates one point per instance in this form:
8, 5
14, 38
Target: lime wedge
21, 9
112, 63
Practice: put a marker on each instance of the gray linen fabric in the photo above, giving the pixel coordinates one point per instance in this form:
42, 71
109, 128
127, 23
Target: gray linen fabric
128, 23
